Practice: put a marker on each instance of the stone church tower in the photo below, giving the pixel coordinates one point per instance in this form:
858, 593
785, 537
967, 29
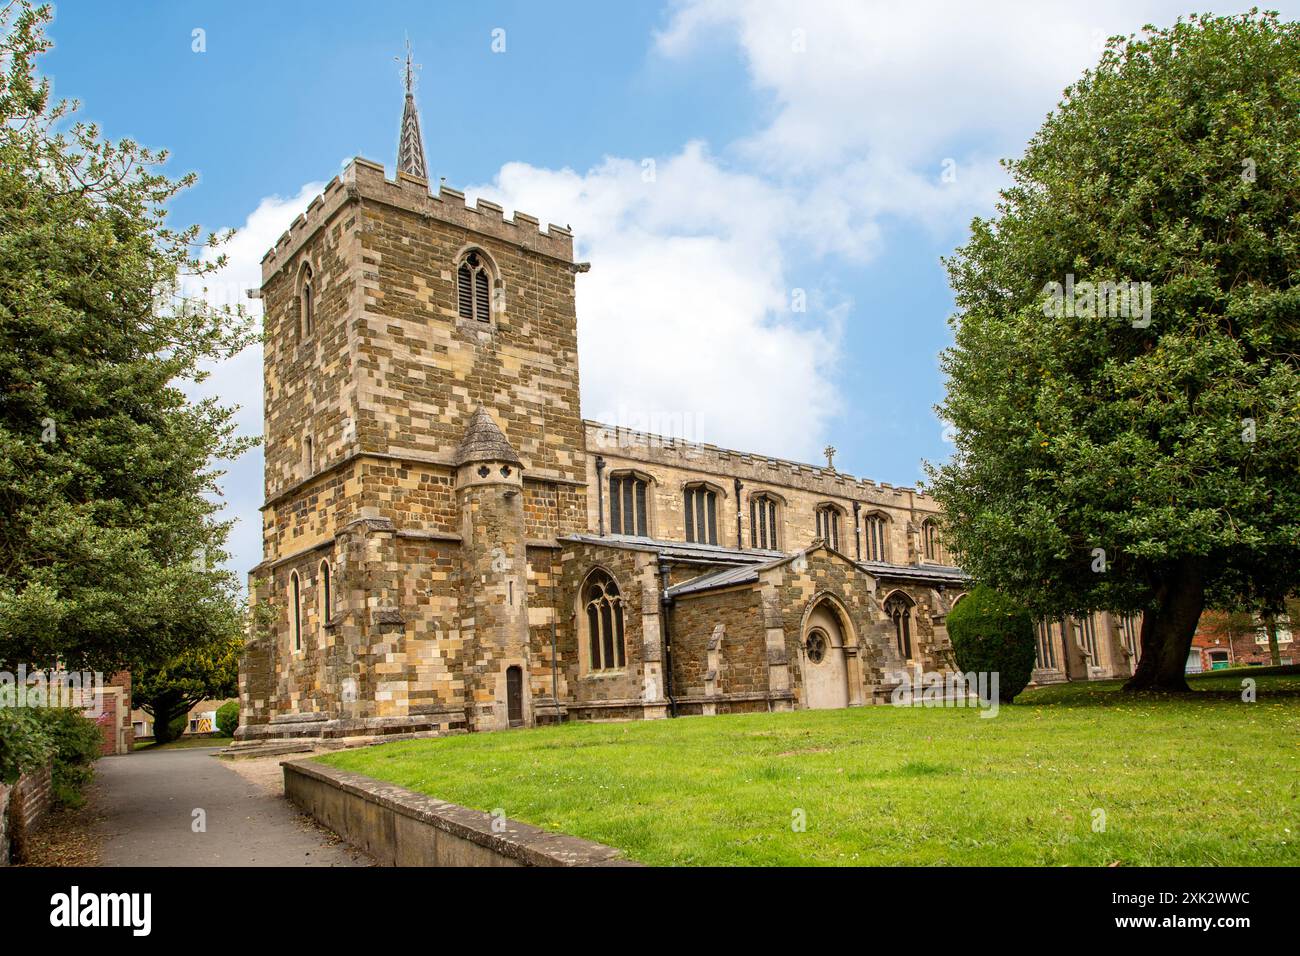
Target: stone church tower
448, 546
424, 453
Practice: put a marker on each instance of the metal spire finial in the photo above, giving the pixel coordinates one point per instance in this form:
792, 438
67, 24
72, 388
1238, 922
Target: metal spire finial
410, 144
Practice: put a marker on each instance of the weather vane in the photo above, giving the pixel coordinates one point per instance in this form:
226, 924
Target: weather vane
408, 70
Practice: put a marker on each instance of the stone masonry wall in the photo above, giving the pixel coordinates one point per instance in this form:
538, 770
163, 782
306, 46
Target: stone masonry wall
718, 646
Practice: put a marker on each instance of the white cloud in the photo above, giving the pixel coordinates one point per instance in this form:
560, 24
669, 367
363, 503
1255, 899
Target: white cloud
904, 81
685, 321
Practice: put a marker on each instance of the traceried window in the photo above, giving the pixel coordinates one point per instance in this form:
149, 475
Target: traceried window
701, 514
828, 525
295, 611
933, 547
627, 505
1046, 646
762, 522
875, 536
474, 288
603, 611
898, 607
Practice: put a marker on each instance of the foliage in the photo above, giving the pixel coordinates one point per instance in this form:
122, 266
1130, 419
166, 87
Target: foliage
1102, 463
24, 744
228, 718
992, 634
77, 745
168, 690
110, 547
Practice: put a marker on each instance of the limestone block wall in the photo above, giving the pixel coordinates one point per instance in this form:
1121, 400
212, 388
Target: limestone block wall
719, 650
421, 370
307, 380
791, 588
602, 694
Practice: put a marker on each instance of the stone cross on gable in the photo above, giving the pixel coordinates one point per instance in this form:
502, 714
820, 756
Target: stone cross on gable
829, 452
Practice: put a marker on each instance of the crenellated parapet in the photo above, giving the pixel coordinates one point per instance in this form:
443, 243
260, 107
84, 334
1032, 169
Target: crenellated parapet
621, 442
367, 181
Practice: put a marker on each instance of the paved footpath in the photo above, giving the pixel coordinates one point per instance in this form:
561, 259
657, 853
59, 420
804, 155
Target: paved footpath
149, 800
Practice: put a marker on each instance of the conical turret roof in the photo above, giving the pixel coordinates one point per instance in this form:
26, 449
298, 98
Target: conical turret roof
484, 441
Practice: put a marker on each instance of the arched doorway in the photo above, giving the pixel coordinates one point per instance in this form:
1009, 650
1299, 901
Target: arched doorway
821, 659
515, 695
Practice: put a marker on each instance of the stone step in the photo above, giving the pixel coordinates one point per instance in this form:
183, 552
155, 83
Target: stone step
269, 749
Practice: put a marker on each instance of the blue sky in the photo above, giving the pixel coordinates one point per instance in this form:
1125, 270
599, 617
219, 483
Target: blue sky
719, 160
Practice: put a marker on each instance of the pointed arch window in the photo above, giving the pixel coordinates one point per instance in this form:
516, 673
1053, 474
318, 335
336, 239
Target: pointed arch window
762, 522
931, 542
628, 504
875, 534
306, 303
701, 514
828, 525
295, 611
474, 288
603, 614
898, 607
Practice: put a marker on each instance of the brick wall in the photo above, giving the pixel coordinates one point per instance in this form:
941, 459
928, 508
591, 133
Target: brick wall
22, 808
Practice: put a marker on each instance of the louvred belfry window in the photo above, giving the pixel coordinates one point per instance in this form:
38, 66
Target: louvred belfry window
474, 289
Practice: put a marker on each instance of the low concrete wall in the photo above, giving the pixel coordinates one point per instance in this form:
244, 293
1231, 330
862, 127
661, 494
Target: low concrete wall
399, 827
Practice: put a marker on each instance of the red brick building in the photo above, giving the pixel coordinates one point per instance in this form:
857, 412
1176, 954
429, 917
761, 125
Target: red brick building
1238, 640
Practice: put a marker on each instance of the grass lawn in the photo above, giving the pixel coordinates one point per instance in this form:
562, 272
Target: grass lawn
1204, 780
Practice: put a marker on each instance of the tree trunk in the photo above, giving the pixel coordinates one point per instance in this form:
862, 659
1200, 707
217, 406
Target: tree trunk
1274, 652
1168, 629
165, 710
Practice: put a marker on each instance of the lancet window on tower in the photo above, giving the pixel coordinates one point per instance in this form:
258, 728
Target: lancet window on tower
474, 288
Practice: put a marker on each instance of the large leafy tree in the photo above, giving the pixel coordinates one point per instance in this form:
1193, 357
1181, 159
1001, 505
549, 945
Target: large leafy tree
167, 690
110, 545
1101, 461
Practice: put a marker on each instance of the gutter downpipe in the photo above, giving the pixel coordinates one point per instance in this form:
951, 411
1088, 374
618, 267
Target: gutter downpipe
857, 530
740, 541
666, 634
600, 496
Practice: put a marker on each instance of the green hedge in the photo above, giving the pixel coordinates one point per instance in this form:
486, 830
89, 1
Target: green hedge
31, 737
78, 743
24, 744
228, 718
992, 634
